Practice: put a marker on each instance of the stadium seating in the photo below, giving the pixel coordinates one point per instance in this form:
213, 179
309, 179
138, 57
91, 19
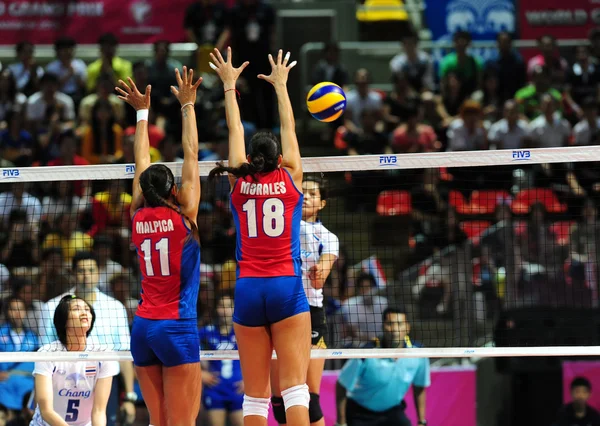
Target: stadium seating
394, 203
528, 197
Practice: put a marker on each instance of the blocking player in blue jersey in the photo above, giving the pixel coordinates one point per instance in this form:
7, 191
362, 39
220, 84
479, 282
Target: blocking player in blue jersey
223, 394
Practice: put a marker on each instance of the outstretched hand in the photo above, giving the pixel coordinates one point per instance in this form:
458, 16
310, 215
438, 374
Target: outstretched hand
186, 92
279, 69
129, 93
224, 68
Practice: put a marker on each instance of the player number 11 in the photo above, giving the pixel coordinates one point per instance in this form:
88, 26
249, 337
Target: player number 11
162, 247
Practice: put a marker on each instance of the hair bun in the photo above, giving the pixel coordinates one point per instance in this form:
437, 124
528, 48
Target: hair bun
258, 161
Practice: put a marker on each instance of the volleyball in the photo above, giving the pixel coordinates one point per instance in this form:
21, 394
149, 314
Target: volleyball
326, 102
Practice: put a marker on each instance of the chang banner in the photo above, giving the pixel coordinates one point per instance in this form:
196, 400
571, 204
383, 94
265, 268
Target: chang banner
482, 18
132, 21
570, 19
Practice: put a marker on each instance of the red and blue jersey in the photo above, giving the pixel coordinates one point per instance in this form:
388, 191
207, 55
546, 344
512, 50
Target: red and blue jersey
267, 214
169, 260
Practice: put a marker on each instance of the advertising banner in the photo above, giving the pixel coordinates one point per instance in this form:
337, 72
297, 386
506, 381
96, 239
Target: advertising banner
588, 369
456, 408
564, 19
482, 18
132, 21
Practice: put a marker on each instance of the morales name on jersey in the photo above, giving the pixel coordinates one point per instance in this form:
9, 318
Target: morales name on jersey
275, 188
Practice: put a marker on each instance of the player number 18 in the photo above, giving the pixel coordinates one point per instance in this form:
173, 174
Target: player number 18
272, 217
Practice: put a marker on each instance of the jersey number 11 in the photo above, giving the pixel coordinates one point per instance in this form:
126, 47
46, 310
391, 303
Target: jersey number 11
162, 248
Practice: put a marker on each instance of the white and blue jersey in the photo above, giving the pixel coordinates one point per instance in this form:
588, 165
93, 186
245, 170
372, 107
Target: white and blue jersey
315, 241
224, 395
73, 385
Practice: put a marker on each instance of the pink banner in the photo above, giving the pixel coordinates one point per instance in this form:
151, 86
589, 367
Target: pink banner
565, 19
132, 21
588, 369
450, 398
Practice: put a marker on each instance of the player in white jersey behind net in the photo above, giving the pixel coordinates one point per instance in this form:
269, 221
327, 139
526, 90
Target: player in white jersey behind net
71, 392
319, 250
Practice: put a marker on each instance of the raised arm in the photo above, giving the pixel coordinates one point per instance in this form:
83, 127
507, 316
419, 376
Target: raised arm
229, 76
141, 145
188, 196
289, 143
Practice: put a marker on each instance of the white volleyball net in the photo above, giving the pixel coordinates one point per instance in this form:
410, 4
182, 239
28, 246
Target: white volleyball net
487, 253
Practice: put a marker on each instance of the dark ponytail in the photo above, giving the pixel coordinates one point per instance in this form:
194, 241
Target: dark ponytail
264, 156
157, 182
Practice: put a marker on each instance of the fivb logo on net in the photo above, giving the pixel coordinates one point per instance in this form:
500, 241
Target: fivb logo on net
521, 155
129, 169
387, 160
11, 174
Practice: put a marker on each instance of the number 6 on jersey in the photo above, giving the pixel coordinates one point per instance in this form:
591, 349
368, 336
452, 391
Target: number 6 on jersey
273, 221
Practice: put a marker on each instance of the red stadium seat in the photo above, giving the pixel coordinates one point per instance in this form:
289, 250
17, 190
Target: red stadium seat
527, 197
394, 203
485, 202
445, 175
562, 230
474, 229
459, 202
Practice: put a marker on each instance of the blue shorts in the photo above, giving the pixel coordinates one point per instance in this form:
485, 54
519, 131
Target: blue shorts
215, 400
164, 342
264, 301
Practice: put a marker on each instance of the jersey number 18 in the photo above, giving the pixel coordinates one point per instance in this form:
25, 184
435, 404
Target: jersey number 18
273, 221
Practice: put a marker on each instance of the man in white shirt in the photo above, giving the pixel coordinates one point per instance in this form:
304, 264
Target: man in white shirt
111, 329
549, 130
362, 314
361, 99
72, 72
415, 64
49, 96
26, 72
19, 199
509, 132
586, 131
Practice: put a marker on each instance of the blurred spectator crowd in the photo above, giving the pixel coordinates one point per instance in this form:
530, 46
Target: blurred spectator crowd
515, 235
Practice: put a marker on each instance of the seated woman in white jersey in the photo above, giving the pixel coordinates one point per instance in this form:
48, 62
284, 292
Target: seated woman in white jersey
72, 392
319, 250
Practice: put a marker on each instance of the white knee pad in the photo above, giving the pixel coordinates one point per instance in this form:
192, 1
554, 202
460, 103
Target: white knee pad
296, 395
255, 406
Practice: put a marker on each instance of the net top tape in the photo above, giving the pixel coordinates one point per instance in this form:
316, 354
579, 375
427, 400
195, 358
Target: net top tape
327, 164
483, 352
